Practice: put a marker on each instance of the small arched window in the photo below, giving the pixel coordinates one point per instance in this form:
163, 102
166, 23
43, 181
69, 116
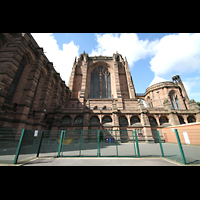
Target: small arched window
153, 121
134, 120
163, 120
104, 108
95, 108
106, 119
67, 120
94, 120
123, 121
191, 119
78, 120
181, 120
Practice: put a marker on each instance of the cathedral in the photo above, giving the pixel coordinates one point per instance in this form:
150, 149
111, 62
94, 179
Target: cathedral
100, 93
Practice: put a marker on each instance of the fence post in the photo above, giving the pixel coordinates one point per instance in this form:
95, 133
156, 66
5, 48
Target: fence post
116, 142
138, 150
134, 143
61, 135
80, 142
98, 145
160, 144
19, 146
40, 142
63, 143
180, 147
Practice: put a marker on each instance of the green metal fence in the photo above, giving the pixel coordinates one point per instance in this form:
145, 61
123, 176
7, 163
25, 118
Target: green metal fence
17, 146
97, 143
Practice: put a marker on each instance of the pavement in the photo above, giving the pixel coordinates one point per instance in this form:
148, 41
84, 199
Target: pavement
100, 162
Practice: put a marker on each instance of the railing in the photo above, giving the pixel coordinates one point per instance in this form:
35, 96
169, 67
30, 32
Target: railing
181, 145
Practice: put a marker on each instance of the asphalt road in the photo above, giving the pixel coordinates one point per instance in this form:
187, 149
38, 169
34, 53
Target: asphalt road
100, 162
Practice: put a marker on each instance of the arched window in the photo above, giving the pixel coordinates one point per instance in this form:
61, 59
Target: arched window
191, 119
67, 120
153, 121
123, 121
163, 120
106, 119
94, 120
95, 108
104, 108
174, 100
16, 80
134, 120
150, 104
181, 120
100, 83
78, 120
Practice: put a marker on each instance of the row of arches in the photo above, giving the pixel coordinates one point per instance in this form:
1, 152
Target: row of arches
163, 119
94, 120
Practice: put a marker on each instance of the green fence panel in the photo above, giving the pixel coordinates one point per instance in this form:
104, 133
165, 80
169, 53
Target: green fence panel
9, 142
125, 144
50, 143
29, 145
71, 143
108, 143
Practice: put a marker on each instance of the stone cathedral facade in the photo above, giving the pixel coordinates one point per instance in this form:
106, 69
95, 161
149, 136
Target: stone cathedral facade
100, 93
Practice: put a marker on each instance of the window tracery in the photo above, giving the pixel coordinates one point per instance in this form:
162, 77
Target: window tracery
174, 100
100, 83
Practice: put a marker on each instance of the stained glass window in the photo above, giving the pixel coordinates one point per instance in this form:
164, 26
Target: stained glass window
100, 83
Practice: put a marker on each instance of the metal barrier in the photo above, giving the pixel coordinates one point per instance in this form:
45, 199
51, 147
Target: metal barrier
17, 146
182, 143
97, 143
9, 140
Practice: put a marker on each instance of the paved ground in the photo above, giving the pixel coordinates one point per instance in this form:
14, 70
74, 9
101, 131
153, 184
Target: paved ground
100, 162
147, 150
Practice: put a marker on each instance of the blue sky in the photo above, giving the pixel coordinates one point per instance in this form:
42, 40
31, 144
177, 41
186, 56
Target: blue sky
148, 54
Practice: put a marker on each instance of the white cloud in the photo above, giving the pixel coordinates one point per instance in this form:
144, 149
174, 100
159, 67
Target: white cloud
176, 53
190, 84
172, 54
62, 59
127, 44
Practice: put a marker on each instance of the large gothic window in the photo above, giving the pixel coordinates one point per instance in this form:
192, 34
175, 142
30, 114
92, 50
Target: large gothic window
100, 83
174, 100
